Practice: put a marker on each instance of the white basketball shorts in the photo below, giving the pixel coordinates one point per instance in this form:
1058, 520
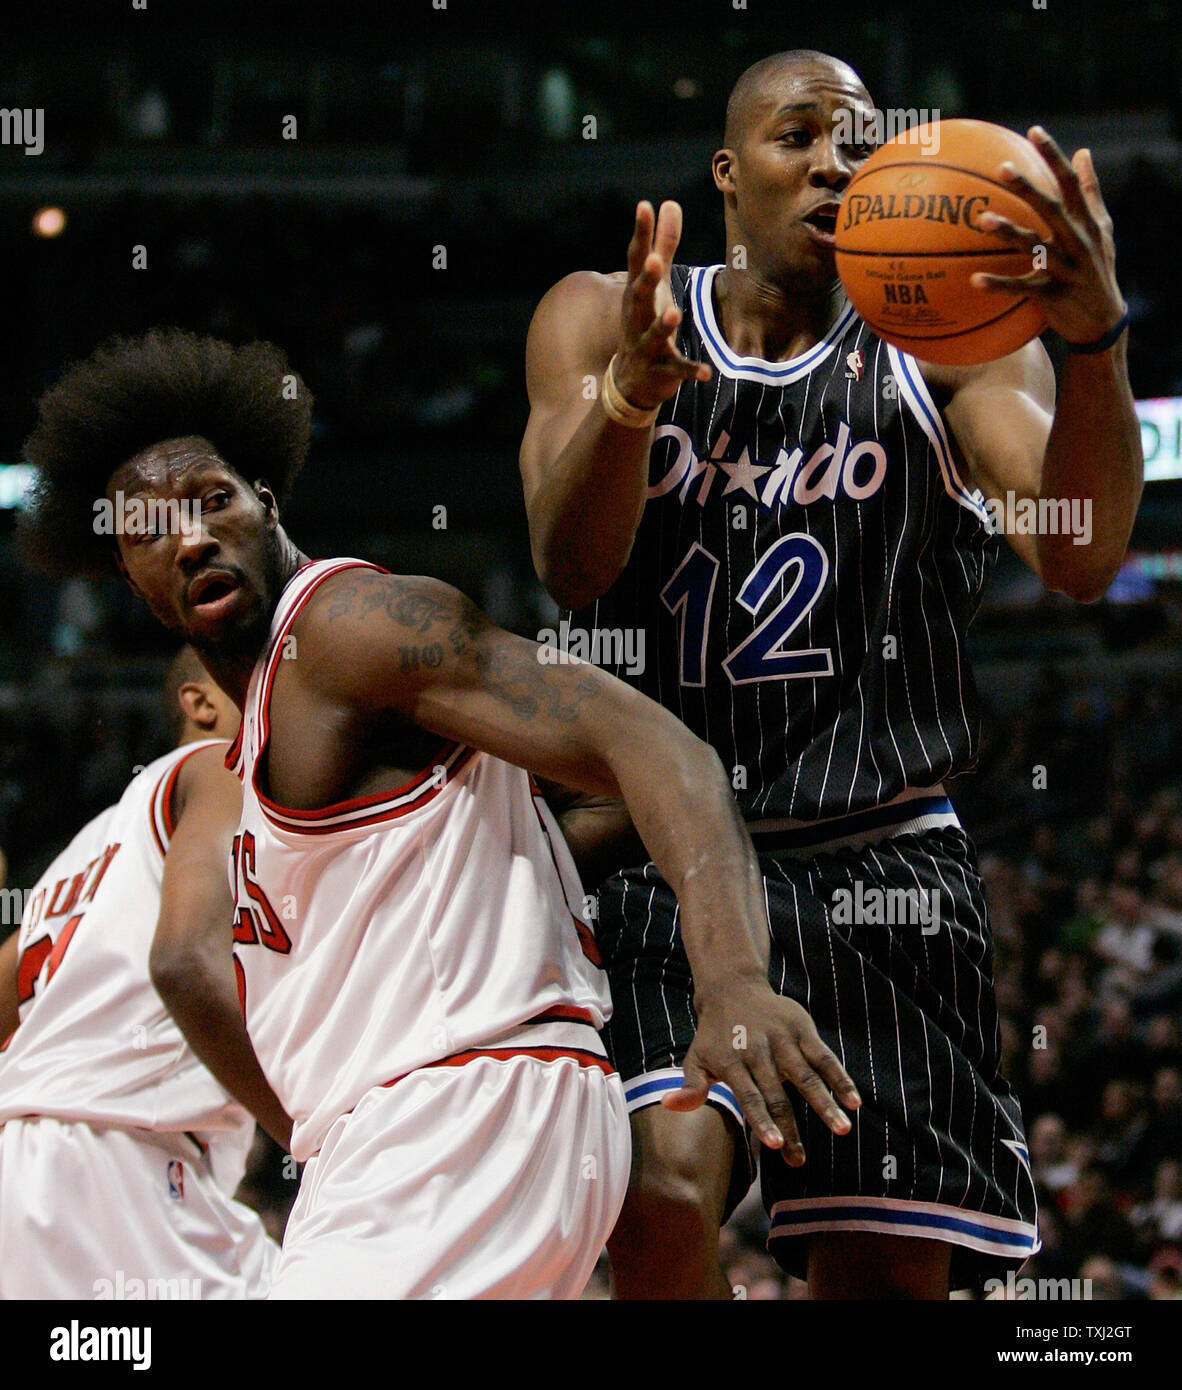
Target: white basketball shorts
103, 1213
494, 1178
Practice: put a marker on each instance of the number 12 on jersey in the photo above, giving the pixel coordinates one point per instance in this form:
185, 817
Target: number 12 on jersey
761, 656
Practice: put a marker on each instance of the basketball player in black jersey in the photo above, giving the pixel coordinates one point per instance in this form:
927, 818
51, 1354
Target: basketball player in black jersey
794, 515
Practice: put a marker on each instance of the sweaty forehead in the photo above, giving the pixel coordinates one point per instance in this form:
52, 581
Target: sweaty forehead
164, 464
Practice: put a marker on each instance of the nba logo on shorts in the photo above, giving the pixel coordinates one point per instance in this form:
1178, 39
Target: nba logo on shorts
176, 1179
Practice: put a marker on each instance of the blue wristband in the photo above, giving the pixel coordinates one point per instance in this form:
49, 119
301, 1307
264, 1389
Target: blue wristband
1104, 343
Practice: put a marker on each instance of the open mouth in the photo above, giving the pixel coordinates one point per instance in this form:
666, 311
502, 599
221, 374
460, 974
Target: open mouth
212, 594
822, 222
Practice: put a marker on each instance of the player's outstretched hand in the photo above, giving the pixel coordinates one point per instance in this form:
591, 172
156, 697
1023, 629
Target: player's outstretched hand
753, 1040
648, 368
1077, 286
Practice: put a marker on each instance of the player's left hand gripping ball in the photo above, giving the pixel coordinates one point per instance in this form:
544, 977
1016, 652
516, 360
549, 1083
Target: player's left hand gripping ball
1077, 285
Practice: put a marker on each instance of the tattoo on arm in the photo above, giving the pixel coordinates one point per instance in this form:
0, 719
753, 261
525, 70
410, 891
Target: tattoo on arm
411, 658
519, 680
341, 600
414, 608
510, 673
411, 604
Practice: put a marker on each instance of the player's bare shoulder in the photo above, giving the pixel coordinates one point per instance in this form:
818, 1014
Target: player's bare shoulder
585, 295
203, 779
576, 326
363, 630
409, 603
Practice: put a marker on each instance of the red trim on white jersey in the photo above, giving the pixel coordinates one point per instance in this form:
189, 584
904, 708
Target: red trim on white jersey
587, 943
295, 602
355, 812
234, 754
374, 809
566, 1013
160, 806
507, 1054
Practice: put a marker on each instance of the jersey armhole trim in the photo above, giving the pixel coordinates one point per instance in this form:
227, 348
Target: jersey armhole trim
914, 390
234, 755
160, 815
298, 602
234, 752
354, 812
587, 943
361, 811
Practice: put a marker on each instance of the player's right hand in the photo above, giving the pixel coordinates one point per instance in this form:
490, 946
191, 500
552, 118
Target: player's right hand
648, 368
753, 1040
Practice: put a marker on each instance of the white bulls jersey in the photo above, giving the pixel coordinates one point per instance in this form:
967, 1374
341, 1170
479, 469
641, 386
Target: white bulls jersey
95, 1042
383, 934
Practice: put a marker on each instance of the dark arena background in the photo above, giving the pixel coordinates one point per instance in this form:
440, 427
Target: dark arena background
386, 192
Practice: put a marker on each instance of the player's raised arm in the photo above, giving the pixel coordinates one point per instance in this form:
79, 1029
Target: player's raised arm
1085, 450
380, 642
191, 961
600, 360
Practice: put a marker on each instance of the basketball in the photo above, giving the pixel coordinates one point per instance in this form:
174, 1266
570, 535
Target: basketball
908, 241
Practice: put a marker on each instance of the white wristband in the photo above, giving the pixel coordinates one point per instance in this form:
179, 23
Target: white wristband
619, 408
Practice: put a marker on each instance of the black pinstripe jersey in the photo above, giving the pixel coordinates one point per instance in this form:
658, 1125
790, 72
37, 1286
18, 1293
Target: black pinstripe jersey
804, 573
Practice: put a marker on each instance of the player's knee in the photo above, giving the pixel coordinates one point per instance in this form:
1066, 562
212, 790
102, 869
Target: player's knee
672, 1205
665, 1244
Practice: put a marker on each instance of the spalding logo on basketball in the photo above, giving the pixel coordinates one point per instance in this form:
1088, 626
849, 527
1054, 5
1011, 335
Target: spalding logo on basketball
908, 240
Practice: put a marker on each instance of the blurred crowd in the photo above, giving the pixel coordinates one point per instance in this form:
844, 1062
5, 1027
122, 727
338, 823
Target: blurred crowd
1088, 933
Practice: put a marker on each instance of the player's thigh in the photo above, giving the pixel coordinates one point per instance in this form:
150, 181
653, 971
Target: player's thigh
90, 1212
496, 1179
865, 1265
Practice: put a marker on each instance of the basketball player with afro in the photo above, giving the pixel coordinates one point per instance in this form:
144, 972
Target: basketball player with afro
417, 983
796, 515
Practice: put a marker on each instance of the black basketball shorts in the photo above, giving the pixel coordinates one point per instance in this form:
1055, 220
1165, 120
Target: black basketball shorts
879, 928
